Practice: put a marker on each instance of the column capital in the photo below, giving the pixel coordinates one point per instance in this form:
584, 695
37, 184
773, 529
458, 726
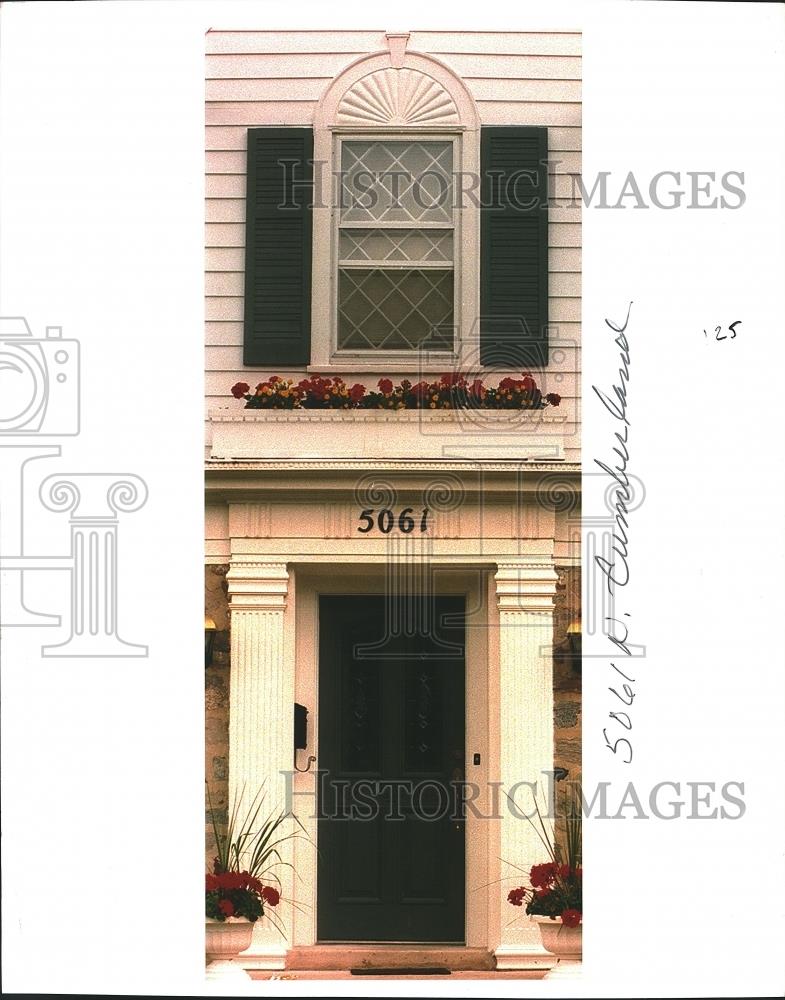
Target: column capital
526, 584
257, 586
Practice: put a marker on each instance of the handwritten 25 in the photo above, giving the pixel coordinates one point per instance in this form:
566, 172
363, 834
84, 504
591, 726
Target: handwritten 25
719, 335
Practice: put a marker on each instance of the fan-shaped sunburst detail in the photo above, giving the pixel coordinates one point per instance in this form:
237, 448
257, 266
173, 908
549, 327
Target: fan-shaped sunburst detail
397, 97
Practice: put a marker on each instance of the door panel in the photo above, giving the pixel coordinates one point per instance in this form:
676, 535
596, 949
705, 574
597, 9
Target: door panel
391, 741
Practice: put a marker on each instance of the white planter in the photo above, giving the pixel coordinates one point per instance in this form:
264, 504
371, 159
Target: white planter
224, 940
566, 943
388, 434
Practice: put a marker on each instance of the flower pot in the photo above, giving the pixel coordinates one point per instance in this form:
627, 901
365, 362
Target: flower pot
224, 940
566, 943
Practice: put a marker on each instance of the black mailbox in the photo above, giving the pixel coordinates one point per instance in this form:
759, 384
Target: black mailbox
300, 727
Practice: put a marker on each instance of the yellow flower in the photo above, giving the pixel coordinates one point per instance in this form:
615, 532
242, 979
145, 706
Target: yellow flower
433, 405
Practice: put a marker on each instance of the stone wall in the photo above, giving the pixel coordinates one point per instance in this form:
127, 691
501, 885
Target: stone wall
216, 696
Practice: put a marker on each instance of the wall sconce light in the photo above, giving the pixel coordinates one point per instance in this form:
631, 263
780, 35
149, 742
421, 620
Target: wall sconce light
209, 640
574, 639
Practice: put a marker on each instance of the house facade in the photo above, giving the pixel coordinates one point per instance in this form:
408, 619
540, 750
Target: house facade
392, 206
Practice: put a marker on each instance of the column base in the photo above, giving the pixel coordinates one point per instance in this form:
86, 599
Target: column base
512, 957
264, 957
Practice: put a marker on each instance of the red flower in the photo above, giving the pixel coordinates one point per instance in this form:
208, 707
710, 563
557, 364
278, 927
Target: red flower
356, 392
571, 918
508, 383
274, 378
226, 907
553, 398
528, 382
453, 378
516, 896
385, 386
239, 389
271, 896
211, 883
565, 871
420, 390
477, 387
541, 876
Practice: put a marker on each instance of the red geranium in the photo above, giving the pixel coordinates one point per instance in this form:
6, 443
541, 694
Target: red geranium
356, 392
226, 907
516, 896
542, 876
271, 896
571, 918
239, 389
385, 386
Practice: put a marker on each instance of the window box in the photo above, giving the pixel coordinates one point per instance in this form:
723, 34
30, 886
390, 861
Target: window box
464, 434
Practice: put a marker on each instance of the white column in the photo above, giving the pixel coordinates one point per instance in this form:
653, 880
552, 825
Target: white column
524, 591
261, 717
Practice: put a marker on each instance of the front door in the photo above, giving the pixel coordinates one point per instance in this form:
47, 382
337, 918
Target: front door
391, 843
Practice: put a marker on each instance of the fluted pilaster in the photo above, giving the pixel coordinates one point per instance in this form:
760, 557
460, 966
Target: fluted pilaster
260, 711
525, 592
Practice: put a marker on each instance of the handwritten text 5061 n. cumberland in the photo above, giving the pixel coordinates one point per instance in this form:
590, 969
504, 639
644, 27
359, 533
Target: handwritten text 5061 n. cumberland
615, 567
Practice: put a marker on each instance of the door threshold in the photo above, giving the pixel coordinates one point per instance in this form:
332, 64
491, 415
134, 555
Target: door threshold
338, 955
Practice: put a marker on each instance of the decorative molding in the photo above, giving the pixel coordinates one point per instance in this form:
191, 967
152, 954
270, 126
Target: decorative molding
392, 96
396, 43
511, 466
257, 586
420, 92
249, 520
527, 586
472, 417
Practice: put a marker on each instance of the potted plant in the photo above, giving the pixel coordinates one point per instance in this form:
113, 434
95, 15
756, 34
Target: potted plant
242, 887
554, 894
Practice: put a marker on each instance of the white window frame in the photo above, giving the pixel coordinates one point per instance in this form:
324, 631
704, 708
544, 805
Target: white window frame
370, 356
329, 131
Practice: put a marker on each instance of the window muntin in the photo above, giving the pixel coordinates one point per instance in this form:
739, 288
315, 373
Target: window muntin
396, 245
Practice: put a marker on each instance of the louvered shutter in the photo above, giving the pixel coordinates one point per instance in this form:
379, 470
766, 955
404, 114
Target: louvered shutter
514, 247
278, 236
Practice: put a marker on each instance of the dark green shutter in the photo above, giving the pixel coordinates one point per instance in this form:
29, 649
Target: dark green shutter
514, 247
278, 227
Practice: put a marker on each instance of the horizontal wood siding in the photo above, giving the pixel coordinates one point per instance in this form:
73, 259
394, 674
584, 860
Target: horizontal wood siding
276, 78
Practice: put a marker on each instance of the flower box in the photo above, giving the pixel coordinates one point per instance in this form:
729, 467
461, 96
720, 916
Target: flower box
461, 434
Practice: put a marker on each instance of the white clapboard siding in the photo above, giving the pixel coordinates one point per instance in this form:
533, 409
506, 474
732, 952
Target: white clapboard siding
229, 137
229, 333
277, 77
292, 65
311, 88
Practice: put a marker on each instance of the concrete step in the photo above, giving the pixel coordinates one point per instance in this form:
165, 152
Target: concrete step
326, 957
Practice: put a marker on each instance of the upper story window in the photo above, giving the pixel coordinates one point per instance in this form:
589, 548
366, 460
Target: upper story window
429, 251
396, 245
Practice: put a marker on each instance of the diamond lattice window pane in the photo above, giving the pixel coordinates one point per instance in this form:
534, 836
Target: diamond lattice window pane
395, 310
396, 245
392, 181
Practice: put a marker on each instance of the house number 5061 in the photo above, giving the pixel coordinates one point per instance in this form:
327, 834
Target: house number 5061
387, 519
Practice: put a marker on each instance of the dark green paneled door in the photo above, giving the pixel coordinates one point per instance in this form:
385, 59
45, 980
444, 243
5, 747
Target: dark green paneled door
391, 750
